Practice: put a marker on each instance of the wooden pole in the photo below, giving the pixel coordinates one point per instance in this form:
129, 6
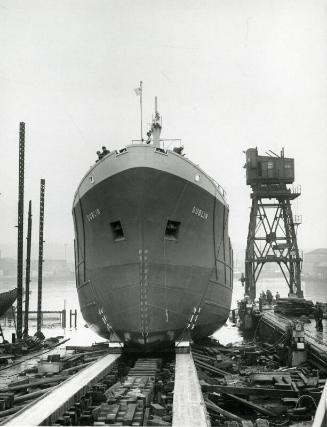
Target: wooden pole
40, 266
20, 227
28, 268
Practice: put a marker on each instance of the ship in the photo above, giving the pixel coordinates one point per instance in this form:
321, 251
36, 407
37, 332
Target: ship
153, 257
7, 299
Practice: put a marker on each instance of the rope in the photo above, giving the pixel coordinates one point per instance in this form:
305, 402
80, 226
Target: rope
306, 395
281, 424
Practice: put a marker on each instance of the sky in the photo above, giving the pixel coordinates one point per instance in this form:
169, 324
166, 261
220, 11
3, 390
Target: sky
229, 75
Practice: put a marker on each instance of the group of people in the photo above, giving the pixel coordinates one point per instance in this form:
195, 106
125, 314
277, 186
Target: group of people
104, 152
267, 297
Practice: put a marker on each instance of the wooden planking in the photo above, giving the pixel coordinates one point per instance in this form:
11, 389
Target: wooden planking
320, 419
48, 408
188, 406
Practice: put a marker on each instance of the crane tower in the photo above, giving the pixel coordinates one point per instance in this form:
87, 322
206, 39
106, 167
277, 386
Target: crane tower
272, 228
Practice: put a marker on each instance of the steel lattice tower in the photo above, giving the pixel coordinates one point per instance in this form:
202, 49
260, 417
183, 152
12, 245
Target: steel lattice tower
40, 263
272, 228
20, 229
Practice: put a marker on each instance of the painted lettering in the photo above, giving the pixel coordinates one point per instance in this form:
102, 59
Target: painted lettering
92, 215
199, 212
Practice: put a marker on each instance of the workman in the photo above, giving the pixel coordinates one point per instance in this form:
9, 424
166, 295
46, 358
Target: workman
277, 296
148, 134
269, 297
105, 151
318, 314
99, 154
178, 150
260, 303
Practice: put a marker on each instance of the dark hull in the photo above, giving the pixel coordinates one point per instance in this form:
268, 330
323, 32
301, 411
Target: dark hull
144, 289
6, 300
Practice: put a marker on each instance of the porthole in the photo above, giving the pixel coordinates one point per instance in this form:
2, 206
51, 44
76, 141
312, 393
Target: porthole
172, 230
117, 231
91, 179
197, 178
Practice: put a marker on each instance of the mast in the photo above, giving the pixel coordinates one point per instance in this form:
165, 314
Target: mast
156, 125
28, 268
141, 107
20, 227
40, 264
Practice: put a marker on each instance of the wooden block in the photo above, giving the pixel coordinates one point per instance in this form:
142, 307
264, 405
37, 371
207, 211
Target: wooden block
112, 414
289, 399
54, 358
287, 379
294, 387
146, 416
8, 399
312, 382
260, 422
157, 409
128, 418
156, 421
230, 424
45, 367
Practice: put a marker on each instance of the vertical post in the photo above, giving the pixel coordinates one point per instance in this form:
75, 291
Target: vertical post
75, 319
40, 266
28, 267
250, 274
63, 318
141, 106
20, 226
70, 318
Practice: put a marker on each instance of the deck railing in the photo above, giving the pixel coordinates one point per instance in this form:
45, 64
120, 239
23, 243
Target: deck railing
169, 144
166, 144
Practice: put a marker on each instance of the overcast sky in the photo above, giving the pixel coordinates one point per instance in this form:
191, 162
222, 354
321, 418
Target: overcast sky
229, 75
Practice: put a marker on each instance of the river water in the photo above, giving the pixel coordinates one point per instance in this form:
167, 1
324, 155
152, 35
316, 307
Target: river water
58, 295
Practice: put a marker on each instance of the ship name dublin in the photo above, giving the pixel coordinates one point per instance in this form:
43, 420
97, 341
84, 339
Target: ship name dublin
92, 215
199, 212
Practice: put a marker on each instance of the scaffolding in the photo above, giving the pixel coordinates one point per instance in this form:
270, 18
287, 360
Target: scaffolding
20, 229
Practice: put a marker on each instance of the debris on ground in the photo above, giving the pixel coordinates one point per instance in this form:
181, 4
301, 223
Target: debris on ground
248, 384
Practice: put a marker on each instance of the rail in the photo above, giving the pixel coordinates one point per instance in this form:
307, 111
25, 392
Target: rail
320, 419
48, 408
189, 408
166, 143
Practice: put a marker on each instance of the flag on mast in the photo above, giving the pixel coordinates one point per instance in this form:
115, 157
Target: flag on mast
138, 90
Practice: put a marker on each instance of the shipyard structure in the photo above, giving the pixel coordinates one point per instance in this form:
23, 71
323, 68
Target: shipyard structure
153, 254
